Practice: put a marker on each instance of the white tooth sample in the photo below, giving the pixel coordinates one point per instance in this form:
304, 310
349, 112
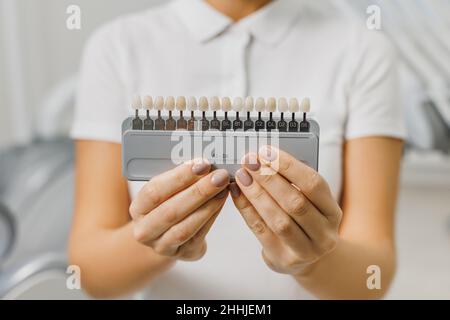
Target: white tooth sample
283, 105
293, 105
215, 104
170, 104
136, 104
181, 104
192, 105
305, 106
159, 103
148, 103
260, 105
249, 104
226, 104
271, 105
203, 104
238, 104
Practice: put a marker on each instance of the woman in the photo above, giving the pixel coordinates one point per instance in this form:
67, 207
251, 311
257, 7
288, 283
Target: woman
318, 232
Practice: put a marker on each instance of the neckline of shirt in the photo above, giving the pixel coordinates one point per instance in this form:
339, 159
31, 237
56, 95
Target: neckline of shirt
269, 24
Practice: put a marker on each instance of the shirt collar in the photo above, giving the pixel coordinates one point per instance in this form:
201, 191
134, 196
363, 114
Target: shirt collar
269, 24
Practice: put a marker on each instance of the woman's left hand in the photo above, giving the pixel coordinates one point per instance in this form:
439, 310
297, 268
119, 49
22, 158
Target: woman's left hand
289, 207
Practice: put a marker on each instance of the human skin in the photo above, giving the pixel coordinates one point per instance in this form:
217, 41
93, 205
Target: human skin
114, 243
290, 209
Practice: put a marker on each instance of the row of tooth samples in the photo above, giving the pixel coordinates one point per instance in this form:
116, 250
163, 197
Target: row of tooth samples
215, 104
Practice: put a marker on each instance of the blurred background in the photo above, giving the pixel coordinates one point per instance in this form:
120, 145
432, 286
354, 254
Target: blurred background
39, 59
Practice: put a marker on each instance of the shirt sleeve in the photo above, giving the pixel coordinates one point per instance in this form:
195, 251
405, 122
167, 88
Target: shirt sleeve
375, 107
100, 103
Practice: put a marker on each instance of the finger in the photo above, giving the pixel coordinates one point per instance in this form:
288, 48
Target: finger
184, 231
309, 181
274, 217
172, 211
253, 220
157, 190
290, 199
196, 246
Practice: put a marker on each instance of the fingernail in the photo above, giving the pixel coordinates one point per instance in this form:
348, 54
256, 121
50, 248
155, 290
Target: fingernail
220, 178
268, 153
251, 162
234, 190
244, 178
201, 168
222, 194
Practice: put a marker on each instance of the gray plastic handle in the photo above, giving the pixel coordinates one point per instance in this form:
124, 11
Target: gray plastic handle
146, 154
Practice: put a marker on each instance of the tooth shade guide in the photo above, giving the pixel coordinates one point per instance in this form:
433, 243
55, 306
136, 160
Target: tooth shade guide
237, 123
271, 108
226, 123
182, 123
148, 122
282, 124
305, 107
136, 104
171, 124
192, 123
205, 122
226, 107
166, 120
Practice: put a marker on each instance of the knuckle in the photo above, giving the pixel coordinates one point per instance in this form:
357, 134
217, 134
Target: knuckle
134, 212
329, 244
170, 216
140, 233
298, 206
192, 252
286, 165
282, 227
338, 218
199, 191
314, 183
291, 262
258, 227
306, 256
150, 192
258, 195
181, 235
181, 178
162, 250
266, 178
269, 262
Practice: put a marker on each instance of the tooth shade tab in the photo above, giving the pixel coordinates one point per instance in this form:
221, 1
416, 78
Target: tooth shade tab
170, 104
238, 104
293, 105
136, 104
260, 105
305, 106
283, 105
181, 103
148, 103
271, 105
215, 104
159, 103
203, 104
226, 104
249, 104
192, 105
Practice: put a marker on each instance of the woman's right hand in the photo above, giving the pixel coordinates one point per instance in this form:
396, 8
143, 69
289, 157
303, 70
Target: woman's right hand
174, 211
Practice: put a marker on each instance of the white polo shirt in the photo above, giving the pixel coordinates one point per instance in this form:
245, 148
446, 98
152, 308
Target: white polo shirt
285, 49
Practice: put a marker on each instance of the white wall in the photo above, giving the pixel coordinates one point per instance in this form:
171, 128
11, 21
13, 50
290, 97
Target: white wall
50, 51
